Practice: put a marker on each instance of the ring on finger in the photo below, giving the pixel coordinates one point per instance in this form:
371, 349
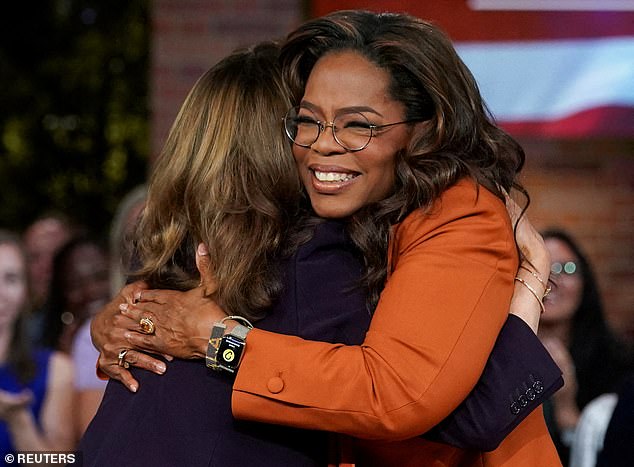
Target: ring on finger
122, 361
147, 325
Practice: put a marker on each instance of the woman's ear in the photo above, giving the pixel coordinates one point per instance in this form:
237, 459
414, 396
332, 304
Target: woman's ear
207, 280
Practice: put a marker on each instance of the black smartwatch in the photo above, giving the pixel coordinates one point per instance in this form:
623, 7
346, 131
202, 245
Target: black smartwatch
231, 349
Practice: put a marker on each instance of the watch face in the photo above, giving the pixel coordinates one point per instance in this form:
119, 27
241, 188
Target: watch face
230, 352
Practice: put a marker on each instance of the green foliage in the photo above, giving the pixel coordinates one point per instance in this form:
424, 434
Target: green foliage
74, 100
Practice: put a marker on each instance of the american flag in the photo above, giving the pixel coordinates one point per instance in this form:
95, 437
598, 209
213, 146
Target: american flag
554, 68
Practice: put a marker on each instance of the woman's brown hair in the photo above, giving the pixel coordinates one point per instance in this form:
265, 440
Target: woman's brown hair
458, 139
226, 178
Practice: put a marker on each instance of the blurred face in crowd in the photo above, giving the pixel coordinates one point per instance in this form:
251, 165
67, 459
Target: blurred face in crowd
85, 280
340, 181
13, 289
565, 297
42, 240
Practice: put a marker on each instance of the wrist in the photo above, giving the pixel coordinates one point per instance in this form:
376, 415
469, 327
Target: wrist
18, 417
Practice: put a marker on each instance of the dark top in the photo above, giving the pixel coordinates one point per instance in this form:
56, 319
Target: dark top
184, 416
617, 445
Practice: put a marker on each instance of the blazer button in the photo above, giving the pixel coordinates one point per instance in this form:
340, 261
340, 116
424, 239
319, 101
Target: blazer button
530, 393
275, 385
538, 386
522, 400
515, 408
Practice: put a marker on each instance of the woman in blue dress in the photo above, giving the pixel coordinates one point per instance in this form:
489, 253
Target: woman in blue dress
36, 386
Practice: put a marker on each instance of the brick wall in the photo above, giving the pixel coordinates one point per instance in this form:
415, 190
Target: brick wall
189, 36
585, 187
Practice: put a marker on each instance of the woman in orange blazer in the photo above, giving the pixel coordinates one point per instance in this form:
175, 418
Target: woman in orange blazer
391, 134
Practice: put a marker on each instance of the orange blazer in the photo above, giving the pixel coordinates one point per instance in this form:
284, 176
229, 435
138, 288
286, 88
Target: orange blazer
446, 298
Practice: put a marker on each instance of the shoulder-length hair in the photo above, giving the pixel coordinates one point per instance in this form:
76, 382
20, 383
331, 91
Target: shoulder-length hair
434, 85
226, 178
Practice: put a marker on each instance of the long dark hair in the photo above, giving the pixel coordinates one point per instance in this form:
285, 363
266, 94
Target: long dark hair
601, 360
20, 357
433, 84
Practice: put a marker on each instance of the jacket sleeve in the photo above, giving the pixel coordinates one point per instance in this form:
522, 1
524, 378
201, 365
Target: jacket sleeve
436, 322
518, 377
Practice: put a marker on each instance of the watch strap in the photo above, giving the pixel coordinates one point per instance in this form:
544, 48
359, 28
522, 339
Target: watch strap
240, 331
217, 331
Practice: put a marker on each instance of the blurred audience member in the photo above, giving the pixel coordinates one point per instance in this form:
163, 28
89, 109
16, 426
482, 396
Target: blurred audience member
618, 449
42, 238
575, 331
80, 287
121, 230
36, 392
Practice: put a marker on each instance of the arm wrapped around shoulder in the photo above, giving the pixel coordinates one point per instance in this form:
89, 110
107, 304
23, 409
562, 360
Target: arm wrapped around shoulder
518, 377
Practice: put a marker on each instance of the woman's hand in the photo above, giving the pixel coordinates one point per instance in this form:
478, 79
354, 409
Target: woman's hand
182, 320
529, 241
108, 328
534, 268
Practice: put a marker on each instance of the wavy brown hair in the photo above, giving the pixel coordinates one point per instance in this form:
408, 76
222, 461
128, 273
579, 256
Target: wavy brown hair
225, 177
434, 85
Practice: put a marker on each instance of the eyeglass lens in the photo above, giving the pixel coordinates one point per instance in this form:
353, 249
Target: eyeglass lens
352, 130
569, 268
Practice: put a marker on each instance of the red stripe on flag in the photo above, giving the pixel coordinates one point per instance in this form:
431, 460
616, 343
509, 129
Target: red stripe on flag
608, 121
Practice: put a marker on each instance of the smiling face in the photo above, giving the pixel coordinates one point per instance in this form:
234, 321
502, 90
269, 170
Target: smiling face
340, 182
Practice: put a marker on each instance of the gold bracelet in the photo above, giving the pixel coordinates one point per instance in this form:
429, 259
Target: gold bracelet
532, 290
547, 287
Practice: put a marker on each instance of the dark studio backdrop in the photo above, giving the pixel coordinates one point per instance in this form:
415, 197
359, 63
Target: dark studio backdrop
74, 113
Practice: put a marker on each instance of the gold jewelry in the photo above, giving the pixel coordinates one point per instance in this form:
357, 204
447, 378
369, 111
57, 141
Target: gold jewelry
147, 325
547, 287
533, 291
122, 361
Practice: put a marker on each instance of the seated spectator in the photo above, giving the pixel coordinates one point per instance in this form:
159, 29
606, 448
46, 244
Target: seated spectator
575, 331
36, 386
80, 287
42, 239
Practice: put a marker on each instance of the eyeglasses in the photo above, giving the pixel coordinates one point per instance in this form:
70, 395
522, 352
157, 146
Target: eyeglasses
351, 130
569, 268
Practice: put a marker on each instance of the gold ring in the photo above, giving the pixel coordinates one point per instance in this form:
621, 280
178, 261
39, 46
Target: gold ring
122, 361
147, 325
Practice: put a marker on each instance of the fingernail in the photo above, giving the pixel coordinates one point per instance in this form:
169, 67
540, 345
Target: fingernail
133, 387
123, 307
202, 249
160, 367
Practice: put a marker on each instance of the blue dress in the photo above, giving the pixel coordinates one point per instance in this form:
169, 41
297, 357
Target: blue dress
183, 418
9, 382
